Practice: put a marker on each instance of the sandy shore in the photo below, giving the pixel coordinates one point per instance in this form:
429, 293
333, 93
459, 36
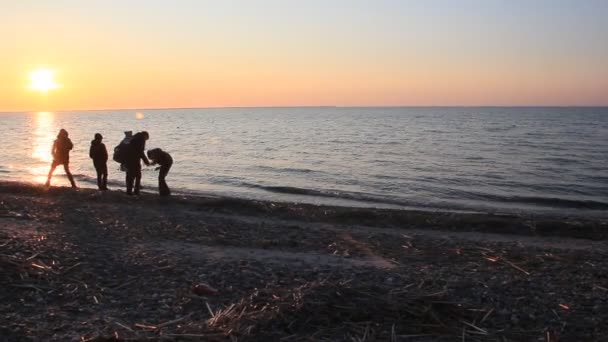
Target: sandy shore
86, 265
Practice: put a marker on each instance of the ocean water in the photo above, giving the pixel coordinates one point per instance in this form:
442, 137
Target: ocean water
510, 160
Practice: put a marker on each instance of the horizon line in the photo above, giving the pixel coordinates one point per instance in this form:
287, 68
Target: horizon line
312, 106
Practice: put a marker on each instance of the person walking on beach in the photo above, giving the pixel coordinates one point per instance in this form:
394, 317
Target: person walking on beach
135, 152
99, 154
162, 158
61, 156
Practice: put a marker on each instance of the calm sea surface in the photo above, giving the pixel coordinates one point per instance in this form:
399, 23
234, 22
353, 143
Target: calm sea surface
533, 160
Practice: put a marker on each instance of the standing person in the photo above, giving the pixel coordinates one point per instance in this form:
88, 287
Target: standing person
127, 138
99, 154
162, 158
118, 151
135, 152
61, 156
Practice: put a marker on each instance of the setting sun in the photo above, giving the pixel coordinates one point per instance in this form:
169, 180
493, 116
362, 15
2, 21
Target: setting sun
42, 80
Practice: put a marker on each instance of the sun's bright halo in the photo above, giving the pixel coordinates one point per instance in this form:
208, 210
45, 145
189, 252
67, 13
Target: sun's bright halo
42, 80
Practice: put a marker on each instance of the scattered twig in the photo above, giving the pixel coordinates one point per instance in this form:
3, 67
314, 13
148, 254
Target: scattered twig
123, 326
33, 256
600, 287
125, 284
482, 331
486, 315
516, 267
28, 286
209, 308
162, 325
145, 326
71, 268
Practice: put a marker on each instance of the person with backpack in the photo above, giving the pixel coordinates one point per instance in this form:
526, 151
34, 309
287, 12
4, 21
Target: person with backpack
99, 154
162, 158
121, 150
61, 156
134, 153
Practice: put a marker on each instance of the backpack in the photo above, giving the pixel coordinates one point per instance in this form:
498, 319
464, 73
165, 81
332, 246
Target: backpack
120, 153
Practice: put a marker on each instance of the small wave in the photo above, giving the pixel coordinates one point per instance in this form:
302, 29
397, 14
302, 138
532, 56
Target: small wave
474, 158
554, 202
286, 169
93, 180
297, 170
437, 131
551, 202
501, 129
293, 190
336, 194
559, 160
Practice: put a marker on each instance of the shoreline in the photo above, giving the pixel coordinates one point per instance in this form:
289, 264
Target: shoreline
537, 208
531, 224
102, 266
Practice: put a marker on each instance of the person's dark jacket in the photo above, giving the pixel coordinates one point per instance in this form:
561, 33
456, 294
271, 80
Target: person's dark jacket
61, 150
136, 149
98, 152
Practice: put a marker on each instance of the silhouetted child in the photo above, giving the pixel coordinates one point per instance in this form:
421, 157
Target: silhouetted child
99, 154
61, 156
162, 158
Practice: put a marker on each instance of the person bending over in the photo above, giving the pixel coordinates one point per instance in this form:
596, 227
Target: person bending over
61, 156
99, 154
162, 158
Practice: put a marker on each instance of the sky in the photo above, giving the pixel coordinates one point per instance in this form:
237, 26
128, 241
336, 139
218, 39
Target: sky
202, 53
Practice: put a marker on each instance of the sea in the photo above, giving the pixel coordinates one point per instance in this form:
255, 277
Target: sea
503, 160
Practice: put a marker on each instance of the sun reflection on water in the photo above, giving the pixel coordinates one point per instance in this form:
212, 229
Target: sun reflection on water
43, 136
42, 143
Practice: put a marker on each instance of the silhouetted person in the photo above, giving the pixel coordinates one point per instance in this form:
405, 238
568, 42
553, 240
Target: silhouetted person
127, 138
61, 156
162, 158
99, 154
123, 144
135, 152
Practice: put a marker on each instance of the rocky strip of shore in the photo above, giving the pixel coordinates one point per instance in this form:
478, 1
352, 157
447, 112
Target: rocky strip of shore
85, 265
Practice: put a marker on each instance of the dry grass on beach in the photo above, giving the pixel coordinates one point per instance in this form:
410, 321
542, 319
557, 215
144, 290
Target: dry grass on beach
89, 266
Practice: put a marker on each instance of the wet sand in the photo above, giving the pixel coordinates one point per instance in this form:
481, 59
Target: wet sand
88, 265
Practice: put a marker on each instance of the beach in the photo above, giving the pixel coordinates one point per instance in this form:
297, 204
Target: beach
84, 265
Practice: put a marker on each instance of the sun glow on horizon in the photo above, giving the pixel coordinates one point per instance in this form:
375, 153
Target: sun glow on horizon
42, 80
68, 55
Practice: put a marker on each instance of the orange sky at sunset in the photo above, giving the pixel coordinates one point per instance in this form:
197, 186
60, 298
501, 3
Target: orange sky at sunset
202, 54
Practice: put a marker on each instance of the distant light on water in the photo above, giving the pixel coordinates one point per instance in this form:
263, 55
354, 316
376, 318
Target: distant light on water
43, 137
139, 115
38, 173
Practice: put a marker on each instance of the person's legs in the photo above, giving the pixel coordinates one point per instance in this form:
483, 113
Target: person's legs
99, 171
130, 177
48, 178
104, 176
163, 188
137, 179
66, 168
